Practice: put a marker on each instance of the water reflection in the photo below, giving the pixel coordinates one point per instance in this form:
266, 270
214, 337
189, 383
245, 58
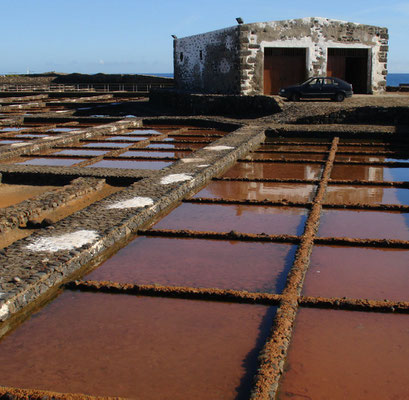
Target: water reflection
251, 170
233, 190
369, 173
341, 194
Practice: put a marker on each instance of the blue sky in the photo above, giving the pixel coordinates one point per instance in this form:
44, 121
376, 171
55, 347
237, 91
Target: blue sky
134, 36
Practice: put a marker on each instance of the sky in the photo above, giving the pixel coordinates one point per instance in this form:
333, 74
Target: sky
134, 36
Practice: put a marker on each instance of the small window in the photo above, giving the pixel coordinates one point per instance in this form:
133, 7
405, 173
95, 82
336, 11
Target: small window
201, 54
181, 56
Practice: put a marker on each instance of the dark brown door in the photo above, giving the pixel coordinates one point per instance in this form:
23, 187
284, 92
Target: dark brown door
283, 67
350, 65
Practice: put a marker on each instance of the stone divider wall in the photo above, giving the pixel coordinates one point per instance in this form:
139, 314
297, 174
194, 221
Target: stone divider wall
209, 104
103, 224
17, 149
20, 214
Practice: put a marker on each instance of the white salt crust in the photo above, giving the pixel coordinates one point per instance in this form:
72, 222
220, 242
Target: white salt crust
218, 148
19, 144
136, 202
173, 178
4, 310
68, 241
192, 160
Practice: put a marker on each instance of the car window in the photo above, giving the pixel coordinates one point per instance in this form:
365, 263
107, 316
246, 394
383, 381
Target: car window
306, 82
328, 81
315, 82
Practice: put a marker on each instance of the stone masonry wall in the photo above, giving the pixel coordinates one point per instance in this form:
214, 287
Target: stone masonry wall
315, 34
208, 63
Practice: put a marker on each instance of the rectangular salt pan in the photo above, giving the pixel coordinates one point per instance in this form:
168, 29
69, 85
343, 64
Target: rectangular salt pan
225, 218
137, 347
200, 263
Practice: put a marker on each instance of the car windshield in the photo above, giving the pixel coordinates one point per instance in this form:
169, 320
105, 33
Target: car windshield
307, 81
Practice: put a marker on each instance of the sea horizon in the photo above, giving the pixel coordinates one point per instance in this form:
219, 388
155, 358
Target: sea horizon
392, 79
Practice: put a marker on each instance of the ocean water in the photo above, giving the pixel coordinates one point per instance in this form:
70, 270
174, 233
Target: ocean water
396, 79
162, 75
391, 79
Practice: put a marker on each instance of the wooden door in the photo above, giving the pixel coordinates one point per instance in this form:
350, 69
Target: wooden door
283, 67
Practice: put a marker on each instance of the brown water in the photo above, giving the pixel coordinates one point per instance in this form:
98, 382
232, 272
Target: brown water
197, 139
107, 144
128, 138
155, 154
30, 136
355, 272
4, 142
201, 132
200, 263
14, 194
125, 164
142, 131
367, 148
224, 218
288, 156
81, 152
235, 190
66, 162
137, 347
274, 171
360, 158
187, 145
341, 355
368, 173
365, 224
341, 194
291, 147
299, 141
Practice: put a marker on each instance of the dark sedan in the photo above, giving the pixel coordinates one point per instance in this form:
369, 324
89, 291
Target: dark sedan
318, 87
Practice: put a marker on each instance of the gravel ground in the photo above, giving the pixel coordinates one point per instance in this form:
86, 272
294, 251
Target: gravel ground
292, 111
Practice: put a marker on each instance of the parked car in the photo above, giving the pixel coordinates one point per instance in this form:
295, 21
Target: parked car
318, 87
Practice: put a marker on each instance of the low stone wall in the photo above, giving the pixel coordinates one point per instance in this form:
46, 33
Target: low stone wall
207, 104
340, 130
30, 210
43, 261
362, 115
17, 149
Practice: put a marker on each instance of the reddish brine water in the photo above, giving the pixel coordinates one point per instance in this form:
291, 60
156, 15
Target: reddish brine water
154, 154
341, 194
369, 173
200, 263
356, 272
364, 224
137, 347
287, 156
236, 190
64, 162
342, 355
81, 152
246, 219
274, 171
127, 164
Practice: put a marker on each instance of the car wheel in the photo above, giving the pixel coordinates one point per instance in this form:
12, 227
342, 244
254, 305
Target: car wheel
295, 97
339, 97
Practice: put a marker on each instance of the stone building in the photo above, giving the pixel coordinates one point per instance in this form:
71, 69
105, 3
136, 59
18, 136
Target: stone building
259, 58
